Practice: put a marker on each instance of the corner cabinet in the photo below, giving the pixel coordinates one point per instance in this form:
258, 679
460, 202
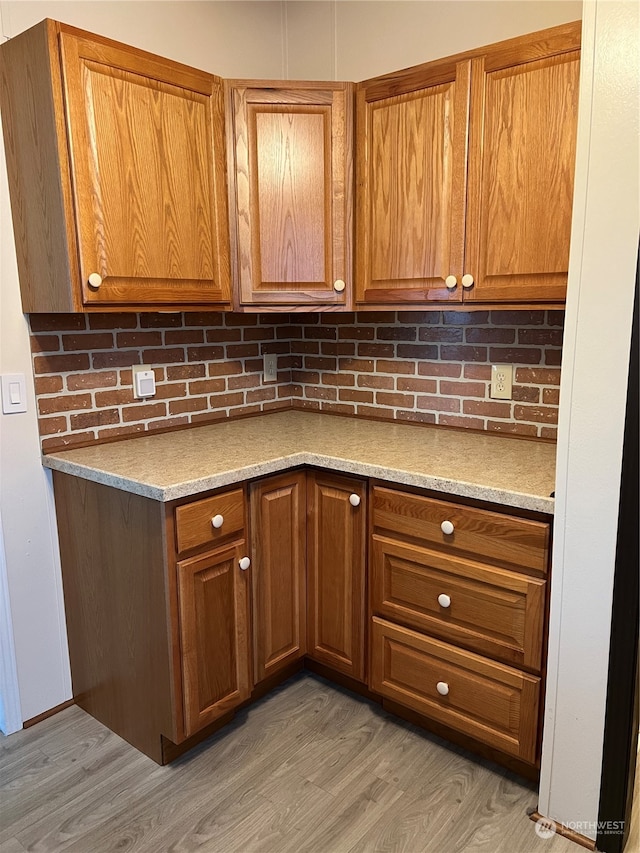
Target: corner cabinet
290, 155
117, 174
465, 175
336, 566
278, 553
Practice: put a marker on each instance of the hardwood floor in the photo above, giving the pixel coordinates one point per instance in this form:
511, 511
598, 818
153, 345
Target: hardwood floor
310, 768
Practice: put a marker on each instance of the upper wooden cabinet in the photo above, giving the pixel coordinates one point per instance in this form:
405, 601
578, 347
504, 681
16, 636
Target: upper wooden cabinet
290, 156
116, 167
411, 185
465, 175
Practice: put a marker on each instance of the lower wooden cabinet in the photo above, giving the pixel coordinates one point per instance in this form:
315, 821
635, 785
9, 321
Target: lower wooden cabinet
458, 607
278, 553
495, 704
213, 595
336, 571
178, 613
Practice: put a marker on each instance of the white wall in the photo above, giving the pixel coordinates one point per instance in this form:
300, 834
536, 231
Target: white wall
228, 38
604, 246
356, 39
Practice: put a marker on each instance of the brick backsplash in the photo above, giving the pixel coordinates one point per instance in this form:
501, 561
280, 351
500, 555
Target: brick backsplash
431, 367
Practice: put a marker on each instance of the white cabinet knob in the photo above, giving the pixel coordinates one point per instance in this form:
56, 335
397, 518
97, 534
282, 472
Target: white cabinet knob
217, 521
244, 563
467, 280
447, 528
354, 500
95, 280
451, 281
442, 687
444, 600
339, 285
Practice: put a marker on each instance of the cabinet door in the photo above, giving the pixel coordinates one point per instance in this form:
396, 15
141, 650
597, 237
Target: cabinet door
521, 164
336, 572
278, 534
291, 192
214, 624
411, 184
148, 168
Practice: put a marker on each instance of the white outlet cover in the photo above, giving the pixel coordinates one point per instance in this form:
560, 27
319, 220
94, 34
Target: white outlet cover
501, 382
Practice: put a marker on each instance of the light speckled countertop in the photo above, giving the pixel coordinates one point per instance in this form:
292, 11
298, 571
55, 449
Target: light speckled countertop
490, 467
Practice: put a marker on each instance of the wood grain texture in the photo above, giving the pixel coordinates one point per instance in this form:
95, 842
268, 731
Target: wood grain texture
504, 54
493, 611
336, 567
411, 180
496, 704
290, 193
38, 170
278, 554
214, 635
112, 552
310, 767
147, 152
194, 528
500, 538
521, 164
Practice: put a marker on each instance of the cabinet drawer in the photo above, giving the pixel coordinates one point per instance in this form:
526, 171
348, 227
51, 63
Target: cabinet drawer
195, 521
493, 611
481, 533
491, 702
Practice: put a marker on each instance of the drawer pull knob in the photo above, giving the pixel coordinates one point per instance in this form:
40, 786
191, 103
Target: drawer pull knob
354, 500
467, 280
442, 687
451, 281
444, 600
447, 528
217, 521
95, 280
339, 285
244, 563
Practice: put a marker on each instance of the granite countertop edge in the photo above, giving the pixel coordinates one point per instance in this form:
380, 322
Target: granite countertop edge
194, 487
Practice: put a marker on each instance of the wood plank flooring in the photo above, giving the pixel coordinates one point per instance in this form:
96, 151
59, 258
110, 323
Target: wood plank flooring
308, 769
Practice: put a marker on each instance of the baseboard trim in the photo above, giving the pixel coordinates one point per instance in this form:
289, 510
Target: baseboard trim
571, 834
46, 714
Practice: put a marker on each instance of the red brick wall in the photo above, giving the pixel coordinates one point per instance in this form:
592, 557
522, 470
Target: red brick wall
433, 367
417, 366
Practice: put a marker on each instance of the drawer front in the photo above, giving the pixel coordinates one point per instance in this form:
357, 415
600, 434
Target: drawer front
481, 533
491, 702
194, 521
492, 611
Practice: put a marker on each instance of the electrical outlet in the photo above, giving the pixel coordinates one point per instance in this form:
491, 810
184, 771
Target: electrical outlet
270, 367
501, 381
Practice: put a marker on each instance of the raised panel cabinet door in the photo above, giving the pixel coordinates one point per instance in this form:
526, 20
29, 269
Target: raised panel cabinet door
148, 170
522, 152
336, 572
290, 156
411, 148
214, 625
278, 535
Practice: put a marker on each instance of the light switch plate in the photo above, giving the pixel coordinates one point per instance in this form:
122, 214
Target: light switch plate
14, 393
144, 381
